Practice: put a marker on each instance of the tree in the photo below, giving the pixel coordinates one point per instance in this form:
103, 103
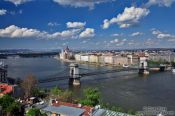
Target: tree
13, 109
35, 112
66, 96
37, 92
10, 107
92, 97
131, 111
28, 84
56, 91
173, 64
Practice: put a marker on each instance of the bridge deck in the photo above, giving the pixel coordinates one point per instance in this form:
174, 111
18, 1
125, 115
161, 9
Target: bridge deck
85, 74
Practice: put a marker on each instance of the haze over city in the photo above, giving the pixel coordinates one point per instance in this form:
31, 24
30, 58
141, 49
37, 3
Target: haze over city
93, 24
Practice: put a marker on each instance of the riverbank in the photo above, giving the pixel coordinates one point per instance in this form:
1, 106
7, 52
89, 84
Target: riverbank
89, 63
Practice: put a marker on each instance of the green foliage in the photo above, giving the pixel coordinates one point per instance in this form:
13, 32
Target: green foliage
38, 92
154, 63
35, 112
6, 101
131, 111
56, 91
9, 105
66, 96
157, 63
14, 108
92, 97
173, 64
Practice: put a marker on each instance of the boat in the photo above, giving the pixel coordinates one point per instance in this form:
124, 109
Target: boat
125, 66
173, 70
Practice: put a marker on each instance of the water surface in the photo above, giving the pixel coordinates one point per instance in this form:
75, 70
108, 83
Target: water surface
126, 89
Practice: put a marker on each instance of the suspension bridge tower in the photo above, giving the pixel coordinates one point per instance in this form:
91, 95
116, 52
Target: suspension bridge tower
143, 66
74, 78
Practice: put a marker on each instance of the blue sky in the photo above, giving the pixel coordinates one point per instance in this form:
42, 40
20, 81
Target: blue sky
87, 24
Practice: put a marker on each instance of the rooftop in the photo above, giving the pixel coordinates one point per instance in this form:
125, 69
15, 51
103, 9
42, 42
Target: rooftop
87, 109
65, 110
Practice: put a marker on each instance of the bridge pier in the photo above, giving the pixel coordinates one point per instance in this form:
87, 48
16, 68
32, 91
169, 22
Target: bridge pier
143, 71
143, 66
74, 78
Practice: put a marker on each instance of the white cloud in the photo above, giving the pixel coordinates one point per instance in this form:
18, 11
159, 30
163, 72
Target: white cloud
162, 35
3, 12
64, 44
131, 43
166, 3
75, 24
16, 12
136, 34
18, 2
53, 24
84, 42
87, 33
120, 43
17, 32
81, 3
66, 34
124, 40
150, 42
114, 41
117, 34
129, 17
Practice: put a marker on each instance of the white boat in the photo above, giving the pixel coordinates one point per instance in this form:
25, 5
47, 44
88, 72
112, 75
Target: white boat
125, 66
173, 70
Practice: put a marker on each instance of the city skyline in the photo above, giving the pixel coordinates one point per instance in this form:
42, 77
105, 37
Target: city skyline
94, 24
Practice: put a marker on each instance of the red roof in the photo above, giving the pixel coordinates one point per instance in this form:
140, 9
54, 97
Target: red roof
87, 109
6, 88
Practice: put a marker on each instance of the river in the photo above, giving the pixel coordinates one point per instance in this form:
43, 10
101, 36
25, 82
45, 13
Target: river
125, 89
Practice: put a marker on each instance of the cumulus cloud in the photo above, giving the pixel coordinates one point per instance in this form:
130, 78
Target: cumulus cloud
75, 24
3, 12
17, 32
129, 17
166, 3
162, 35
136, 34
81, 3
18, 2
66, 34
87, 33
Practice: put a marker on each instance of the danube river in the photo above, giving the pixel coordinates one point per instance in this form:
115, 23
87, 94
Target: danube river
125, 89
